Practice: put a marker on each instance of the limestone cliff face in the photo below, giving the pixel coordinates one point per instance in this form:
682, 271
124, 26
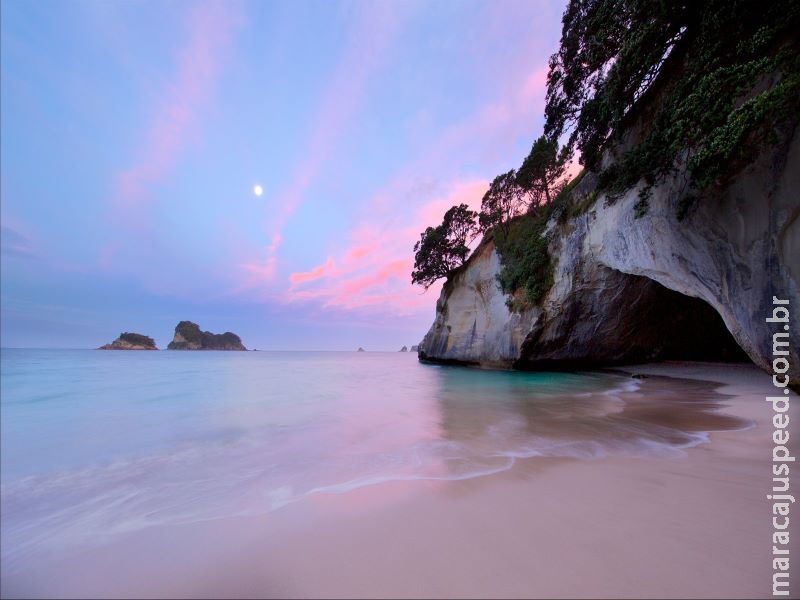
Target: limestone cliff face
473, 323
629, 289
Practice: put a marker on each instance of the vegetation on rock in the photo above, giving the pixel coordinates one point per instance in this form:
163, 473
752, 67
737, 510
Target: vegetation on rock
137, 339
131, 341
511, 210
527, 268
188, 336
639, 89
503, 201
711, 80
445, 247
542, 170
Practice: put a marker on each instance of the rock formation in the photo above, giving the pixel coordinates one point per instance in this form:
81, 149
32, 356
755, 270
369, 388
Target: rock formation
189, 337
360, 349
630, 289
404, 349
131, 341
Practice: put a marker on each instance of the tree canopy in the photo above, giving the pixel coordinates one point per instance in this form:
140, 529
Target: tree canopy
501, 202
445, 247
730, 73
541, 170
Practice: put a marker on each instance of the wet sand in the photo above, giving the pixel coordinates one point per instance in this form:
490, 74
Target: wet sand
697, 524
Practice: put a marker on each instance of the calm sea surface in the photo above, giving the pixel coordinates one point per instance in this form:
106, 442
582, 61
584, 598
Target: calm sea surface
95, 444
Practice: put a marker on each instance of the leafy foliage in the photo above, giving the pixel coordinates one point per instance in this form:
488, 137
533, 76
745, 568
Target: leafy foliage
138, 339
501, 202
723, 74
541, 170
445, 247
527, 267
610, 52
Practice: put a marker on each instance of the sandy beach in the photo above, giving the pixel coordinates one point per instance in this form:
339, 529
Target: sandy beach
694, 525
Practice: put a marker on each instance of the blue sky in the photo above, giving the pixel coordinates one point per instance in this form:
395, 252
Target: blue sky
132, 135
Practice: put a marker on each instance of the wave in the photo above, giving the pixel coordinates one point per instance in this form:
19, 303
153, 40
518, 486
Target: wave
267, 468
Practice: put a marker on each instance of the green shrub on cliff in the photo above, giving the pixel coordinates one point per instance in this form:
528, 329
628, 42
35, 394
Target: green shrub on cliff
527, 267
708, 81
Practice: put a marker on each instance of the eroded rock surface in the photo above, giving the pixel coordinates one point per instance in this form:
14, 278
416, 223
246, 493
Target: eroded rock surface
656, 287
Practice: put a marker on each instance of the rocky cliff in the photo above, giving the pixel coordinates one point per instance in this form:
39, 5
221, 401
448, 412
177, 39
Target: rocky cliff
693, 281
188, 336
131, 341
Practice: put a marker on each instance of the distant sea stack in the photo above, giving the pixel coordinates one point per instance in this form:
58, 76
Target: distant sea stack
131, 341
189, 337
360, 349
404, 349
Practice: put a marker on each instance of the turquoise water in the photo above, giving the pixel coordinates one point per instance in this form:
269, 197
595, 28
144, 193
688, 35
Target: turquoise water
96, 444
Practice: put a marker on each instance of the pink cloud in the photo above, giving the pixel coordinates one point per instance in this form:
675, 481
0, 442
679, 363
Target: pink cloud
369, 41
535, 85
469, 193
175, 122
398, 269
374, 270
264, 269
313, 274
210, 25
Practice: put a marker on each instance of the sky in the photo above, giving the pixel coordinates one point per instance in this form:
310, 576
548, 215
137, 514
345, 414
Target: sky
133, 134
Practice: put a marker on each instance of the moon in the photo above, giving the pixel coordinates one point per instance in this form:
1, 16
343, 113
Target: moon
258, 190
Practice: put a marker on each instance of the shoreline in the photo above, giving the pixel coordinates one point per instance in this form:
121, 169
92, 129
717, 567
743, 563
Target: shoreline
695, 525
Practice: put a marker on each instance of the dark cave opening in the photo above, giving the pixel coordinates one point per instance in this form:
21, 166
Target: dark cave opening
619, 318
682, 327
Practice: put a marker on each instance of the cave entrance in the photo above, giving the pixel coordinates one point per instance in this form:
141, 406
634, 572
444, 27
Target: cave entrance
661, 324
617, 318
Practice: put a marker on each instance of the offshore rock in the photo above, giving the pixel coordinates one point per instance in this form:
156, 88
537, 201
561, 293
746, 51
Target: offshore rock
189, 337
131, 341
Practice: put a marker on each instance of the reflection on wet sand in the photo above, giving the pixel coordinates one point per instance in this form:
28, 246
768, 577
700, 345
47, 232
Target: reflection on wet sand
620, 416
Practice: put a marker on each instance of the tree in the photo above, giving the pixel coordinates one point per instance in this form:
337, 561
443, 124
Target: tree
611, 52
707, 80
541, 170
459, 223
445, 247
501, 202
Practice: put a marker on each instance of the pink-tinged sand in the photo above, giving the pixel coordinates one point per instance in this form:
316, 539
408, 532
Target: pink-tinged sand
691, 526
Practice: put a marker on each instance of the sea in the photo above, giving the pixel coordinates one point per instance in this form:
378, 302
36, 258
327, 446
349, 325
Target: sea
97, 444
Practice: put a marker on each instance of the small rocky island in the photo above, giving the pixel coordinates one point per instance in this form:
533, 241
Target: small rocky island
189, 337
131, 341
